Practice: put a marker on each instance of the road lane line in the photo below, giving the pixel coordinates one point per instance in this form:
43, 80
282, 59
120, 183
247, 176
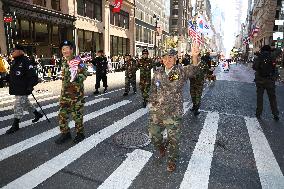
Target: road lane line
30, 97
198, 170
33, 101
50, 115
268, 169
125, 174
30, 142
51, 167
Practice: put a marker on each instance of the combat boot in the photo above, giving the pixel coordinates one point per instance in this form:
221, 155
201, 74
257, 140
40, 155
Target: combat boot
193, 108
125, 94
196, 112
105, 90
276, 118
145, 103
96, 92
171, 166
79, 137
64, 137
37, 116
15, 127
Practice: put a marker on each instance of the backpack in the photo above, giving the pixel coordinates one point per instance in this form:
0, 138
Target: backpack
266, 67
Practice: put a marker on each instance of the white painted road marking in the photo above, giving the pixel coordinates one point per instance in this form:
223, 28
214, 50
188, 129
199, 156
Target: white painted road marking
30, 97
124, 175
30, 142
51, 167
268, 169
198, 170
50, 115
32, 101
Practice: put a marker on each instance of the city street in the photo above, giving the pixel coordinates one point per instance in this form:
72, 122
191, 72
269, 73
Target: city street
224, 147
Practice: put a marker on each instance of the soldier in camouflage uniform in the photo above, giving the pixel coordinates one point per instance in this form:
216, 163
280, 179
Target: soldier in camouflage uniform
166, 104
74, 73
196, 86
145, 65
130, 68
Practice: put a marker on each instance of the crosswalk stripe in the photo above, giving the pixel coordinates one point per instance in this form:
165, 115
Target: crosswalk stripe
32, 101
268, 169
12, 100
124, 175
198, 170
50, 115
11, 116
30, 142
51, 167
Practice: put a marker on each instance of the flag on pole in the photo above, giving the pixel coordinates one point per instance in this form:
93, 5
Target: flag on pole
195, 36
117, 6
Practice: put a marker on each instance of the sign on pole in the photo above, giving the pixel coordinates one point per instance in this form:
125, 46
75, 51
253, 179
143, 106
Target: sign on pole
277, 35
279, 22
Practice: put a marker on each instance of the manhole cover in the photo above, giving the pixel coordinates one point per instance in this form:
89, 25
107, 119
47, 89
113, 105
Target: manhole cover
132, 139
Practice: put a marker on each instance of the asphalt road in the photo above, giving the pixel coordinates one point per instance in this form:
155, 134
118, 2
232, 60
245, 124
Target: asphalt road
224, 147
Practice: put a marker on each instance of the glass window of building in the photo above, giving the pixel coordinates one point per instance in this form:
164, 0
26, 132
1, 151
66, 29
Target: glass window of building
137, 32
88, 41
55, 35
111, 18
114, 46
120, 48
41, 32
25, 30
124, 46
81, 7
145, 35
175, 12
81, 40
174, 22
98, 10
89, 9
40, 2
55, 4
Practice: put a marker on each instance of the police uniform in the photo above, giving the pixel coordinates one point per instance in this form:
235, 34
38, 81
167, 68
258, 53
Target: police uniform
196, 86
101, 65
145, 65
130, 68
23, 78
72, 97
265, 77
166, 106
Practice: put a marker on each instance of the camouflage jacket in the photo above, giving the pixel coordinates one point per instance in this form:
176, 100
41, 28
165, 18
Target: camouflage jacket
73, 91
145, 66
130, 68
203, 70
166, 99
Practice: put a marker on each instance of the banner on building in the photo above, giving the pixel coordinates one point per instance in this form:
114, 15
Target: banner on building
117, 6
279, 22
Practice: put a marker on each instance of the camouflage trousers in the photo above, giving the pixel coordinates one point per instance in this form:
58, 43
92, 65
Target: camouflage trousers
145, 89
22, 103
76, 110
173, 132
196, 89
128, 81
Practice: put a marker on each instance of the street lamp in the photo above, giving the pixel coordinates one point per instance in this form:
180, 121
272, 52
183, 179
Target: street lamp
156, 17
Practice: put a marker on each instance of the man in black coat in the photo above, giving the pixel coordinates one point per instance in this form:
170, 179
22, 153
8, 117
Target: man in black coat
265, 77
101, 64
23, 78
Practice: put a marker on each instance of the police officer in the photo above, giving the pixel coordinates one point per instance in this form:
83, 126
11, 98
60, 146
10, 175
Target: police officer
196, 86
101, 64
74, 72
166, 104
130, 67
265, 77
23, 78
145, 65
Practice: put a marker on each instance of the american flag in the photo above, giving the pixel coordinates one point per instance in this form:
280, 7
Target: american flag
254, 31
194, 34
74, 62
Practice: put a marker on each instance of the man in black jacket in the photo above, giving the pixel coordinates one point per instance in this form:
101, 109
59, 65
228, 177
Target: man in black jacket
265, 77
101, 64
23, 78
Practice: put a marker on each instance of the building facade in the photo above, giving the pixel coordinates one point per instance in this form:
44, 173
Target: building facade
151, 26
39, 25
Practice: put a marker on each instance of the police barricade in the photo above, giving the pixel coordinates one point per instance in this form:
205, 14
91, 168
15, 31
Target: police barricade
116, 66
49, 72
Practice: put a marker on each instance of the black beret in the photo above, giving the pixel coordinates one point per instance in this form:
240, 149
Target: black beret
145, 51
19, 47
67, 43
127, 55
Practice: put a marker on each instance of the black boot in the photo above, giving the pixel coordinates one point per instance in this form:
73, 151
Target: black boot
105, 91
37, 116
125, 94
64, 137
15, 127
145, 103
276, 118
79, 137
96, 92
196, 112
193, 108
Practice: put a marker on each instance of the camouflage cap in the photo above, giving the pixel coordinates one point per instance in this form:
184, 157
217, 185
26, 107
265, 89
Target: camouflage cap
170, 52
